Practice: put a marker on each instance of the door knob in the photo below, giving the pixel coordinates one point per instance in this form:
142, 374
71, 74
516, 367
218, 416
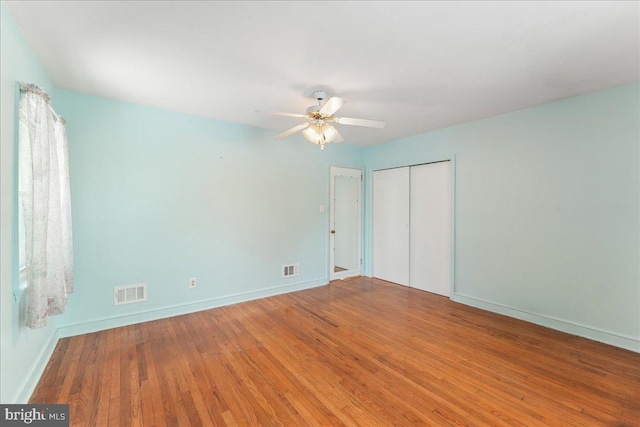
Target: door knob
333, 231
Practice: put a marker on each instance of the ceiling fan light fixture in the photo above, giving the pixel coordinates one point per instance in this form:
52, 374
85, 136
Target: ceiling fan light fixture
318, 127
320, 134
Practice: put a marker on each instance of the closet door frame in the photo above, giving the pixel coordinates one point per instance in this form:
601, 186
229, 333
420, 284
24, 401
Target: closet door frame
452, 261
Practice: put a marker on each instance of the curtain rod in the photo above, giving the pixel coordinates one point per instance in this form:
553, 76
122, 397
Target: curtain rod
54, 112
30, 87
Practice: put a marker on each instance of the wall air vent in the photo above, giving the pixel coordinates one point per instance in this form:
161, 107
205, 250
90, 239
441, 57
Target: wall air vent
129, 294
290, 270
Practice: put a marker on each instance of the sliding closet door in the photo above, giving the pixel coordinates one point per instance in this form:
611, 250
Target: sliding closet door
430, 247
391, 225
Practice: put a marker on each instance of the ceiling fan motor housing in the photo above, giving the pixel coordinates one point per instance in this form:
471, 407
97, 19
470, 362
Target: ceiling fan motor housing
313, 112
319, 94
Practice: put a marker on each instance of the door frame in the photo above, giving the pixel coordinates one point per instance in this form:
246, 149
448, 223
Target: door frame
354, 173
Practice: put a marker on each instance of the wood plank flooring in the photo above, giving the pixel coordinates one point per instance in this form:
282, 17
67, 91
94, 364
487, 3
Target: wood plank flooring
359, 352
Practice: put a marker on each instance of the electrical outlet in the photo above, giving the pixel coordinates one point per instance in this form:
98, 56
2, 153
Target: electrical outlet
193, 282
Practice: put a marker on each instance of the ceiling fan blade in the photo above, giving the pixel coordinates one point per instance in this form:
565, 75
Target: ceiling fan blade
338, 139
360, 122
332, 105
280, 113
292, 130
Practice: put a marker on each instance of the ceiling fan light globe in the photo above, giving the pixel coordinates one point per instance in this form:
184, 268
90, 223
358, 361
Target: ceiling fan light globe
329, 133
320, 134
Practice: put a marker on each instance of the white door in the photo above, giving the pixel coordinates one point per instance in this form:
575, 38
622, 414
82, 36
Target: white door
430, 237
345, 220
391, 225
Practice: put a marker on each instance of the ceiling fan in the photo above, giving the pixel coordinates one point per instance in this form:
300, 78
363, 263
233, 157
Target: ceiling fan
319, 128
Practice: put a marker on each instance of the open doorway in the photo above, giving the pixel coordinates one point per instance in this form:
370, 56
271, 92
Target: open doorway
345, 222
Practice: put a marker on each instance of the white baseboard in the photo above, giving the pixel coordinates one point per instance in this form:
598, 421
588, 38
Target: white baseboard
180, 309
28, 385
617, 340
30, 382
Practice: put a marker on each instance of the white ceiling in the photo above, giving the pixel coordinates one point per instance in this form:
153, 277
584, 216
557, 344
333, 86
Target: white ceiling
417, 65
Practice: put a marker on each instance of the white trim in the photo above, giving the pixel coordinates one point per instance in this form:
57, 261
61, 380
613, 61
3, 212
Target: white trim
589, 332
452, 265
354, 173
22, 284
453, 161
32, 377
180, 309
28, 385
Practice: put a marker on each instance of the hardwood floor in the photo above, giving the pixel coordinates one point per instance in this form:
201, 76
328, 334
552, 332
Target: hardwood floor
355, 352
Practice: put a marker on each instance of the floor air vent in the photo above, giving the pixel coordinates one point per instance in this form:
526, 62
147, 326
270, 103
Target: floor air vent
129, 294
290, 270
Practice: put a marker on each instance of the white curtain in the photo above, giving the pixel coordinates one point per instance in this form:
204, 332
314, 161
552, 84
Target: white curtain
45, 196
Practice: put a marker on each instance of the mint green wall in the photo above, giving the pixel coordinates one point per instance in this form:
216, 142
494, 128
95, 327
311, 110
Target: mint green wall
159, 197
21, 349
547, 210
